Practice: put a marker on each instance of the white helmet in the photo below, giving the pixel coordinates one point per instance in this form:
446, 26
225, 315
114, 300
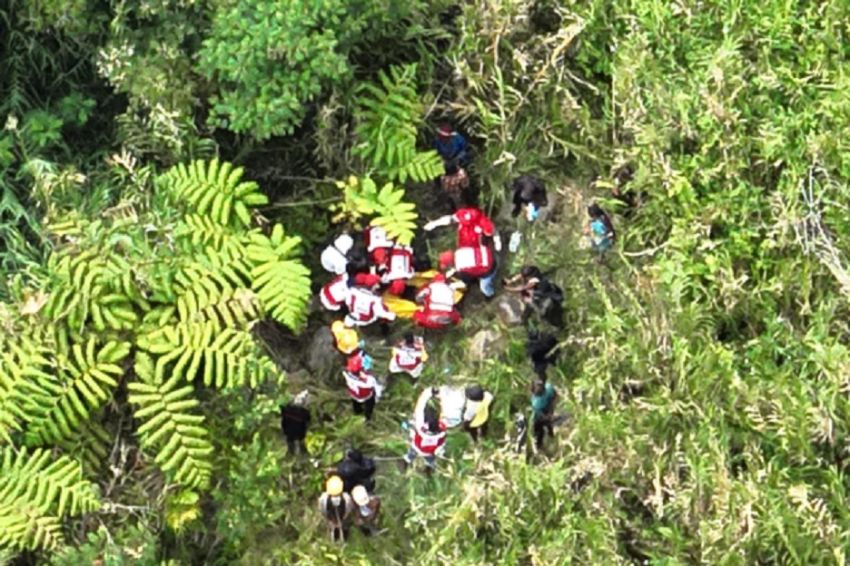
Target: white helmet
360, 495
344, 243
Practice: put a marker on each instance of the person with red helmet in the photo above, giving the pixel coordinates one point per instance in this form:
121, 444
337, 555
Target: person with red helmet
364, 305
438, 305
395, 266
363, 386
428, 433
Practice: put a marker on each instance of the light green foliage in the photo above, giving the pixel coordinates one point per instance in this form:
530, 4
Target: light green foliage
214, 190
36, 492
271, 58
388, 116
281, 282
363, 198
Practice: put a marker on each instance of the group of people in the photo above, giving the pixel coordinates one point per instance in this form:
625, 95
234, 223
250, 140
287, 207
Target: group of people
372, 275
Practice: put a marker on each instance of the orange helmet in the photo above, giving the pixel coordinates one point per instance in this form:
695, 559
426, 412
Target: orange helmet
446, 260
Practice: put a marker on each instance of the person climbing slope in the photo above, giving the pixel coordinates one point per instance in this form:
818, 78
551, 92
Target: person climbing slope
336, 506
356, 469
539, 294
476, 412
529, 193
453, 184
368, 509
363, 386
543, 401
428, 434
599, 229
294, 420
541, 349
451, 146
409, 356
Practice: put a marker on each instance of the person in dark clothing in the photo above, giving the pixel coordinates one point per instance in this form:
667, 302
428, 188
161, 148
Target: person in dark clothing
294, 420
539, 294
356, 469
543, 401
540, 348
451, 146
529, 193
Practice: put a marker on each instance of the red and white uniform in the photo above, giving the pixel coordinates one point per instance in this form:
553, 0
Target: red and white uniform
472, 226
365, 307
474, 261
376, 239
408, 359
427, 443
438, 309
361, 384
334, 294
397, 268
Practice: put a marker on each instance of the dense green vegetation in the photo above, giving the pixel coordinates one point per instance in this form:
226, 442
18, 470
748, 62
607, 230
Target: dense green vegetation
170, 170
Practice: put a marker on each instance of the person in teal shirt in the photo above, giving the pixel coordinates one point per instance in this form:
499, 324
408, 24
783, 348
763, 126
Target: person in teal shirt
543, 400
600, 230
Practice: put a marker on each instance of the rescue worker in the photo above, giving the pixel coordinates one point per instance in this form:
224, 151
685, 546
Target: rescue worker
453, 184
529, 194
438, 305
428, 435
600, 230
476, 412
368, 508
409, 356
334, 258
377, 239
336, 506
473, 227
451, 146
346, 339
470, 264
543, 401
334, 294
539, 295
356, 469
294, 420
395, 267
364, 305
541, 350
363, 386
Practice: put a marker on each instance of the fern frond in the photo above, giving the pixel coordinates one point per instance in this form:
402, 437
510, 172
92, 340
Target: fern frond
280, 280
213, 189
59, 404
229, 357
391, 212
22, 362
169, 429
35, 493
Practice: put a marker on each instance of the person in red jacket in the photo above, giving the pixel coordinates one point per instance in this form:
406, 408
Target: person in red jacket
472, 263
473, 227
395, 267
363, 387
438, 305
428, 434
364, 305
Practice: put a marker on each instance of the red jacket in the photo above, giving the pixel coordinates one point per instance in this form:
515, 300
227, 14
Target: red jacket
472, 226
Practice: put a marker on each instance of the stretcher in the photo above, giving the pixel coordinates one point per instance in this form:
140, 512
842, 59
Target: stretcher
404, 308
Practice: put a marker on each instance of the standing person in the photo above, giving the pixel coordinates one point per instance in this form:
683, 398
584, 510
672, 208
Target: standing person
438, 305
363, 387
541, 348
600, 230
356, 469
543, 401
294, 420
529, 194
473, 227
336, 506
453, 184
451, 146
409, 356
334, 258
477, 411
368, 509
428, 435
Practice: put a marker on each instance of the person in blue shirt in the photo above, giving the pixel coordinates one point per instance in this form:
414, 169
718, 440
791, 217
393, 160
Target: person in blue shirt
543, 401
600, 230
452, 147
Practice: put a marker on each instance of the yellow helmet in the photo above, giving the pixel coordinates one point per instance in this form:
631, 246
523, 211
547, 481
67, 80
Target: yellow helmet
347, 340
360, 495
334, 486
